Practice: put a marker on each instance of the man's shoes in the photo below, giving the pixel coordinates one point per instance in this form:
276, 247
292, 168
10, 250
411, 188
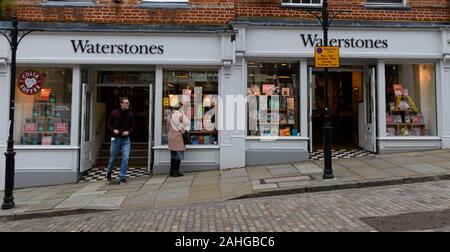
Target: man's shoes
108, 176
123, 181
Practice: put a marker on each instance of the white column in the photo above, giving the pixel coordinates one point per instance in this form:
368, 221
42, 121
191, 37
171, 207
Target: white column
76, 99
232, 82
443, 94
303, 98
381, 93
4, 117
158, 104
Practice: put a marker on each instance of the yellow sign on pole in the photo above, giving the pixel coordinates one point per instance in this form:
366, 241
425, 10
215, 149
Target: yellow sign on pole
326, 56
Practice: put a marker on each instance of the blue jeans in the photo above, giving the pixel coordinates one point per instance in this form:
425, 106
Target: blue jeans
116, 144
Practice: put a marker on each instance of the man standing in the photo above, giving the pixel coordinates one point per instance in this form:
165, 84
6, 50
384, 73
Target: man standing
120, 124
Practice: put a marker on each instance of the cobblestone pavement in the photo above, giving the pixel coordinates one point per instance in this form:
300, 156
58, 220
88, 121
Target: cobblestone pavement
220, 185
325, 211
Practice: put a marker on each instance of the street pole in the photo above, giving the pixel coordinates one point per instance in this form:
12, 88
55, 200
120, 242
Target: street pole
8, 200
327, 128
14, 36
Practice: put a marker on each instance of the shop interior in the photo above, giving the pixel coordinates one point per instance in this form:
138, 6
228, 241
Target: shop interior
345, 92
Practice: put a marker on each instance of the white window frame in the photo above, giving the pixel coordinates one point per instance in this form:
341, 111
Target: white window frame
387, 4
303, 4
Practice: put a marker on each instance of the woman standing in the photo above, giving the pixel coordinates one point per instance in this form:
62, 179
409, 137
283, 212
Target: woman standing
176, 145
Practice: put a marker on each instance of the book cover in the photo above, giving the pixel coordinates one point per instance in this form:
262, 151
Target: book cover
47, 140
390, 131
274, 102
45, 94
417, 119
206, 139
35, 111
290, 103
40, 125
407, 118
268, 89
29, 127
50, 125
286, 92
61, 127
274, 130
405, 131
390, 119
286, 131
52, 98
416, 131
291, 117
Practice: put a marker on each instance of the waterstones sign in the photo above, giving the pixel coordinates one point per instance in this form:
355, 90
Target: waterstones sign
313, 40
88, 47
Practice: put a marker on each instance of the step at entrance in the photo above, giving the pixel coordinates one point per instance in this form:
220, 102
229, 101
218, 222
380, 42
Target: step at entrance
138, 155
340, 153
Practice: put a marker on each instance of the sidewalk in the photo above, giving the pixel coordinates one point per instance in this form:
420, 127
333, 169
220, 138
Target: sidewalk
253, 181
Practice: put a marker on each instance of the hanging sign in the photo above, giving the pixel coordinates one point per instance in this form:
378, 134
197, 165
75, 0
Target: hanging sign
30, 82
326, 56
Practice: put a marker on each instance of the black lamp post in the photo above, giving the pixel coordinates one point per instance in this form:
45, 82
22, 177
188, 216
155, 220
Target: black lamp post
14, 36
325, 20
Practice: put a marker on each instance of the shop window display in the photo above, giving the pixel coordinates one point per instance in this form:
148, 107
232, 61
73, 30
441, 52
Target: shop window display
273, 100
43, 106
410, 100
197, 90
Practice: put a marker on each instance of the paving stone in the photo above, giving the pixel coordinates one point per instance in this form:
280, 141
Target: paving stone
287, 179
264, 186
156, 180
380, 163
45, 205
107, 202
299, 184
442, 164
186, 177
233, 173
182, 184
283, 171
401, 172
370, 173
76, 202
308, 168
214, 173
425, 168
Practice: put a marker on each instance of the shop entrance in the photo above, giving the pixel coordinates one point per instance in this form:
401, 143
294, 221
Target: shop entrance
346, 105
100, 99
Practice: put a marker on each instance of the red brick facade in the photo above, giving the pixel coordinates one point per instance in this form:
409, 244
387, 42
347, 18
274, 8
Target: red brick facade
221, 12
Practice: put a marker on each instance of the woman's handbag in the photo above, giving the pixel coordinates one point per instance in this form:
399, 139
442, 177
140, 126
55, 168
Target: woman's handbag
186, 137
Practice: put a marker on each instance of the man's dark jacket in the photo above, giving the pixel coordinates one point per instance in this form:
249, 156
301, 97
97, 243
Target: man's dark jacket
122, 121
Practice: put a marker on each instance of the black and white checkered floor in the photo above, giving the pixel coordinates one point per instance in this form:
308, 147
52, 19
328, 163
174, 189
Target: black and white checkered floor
340, 153
99, 174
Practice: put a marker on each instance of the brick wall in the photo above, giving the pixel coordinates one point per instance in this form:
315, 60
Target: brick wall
421, 10
220, 12
212, 12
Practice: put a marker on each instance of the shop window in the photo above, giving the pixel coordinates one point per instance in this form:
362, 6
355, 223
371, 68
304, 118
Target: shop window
197, 90
273, 99
43, 106
411, 100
